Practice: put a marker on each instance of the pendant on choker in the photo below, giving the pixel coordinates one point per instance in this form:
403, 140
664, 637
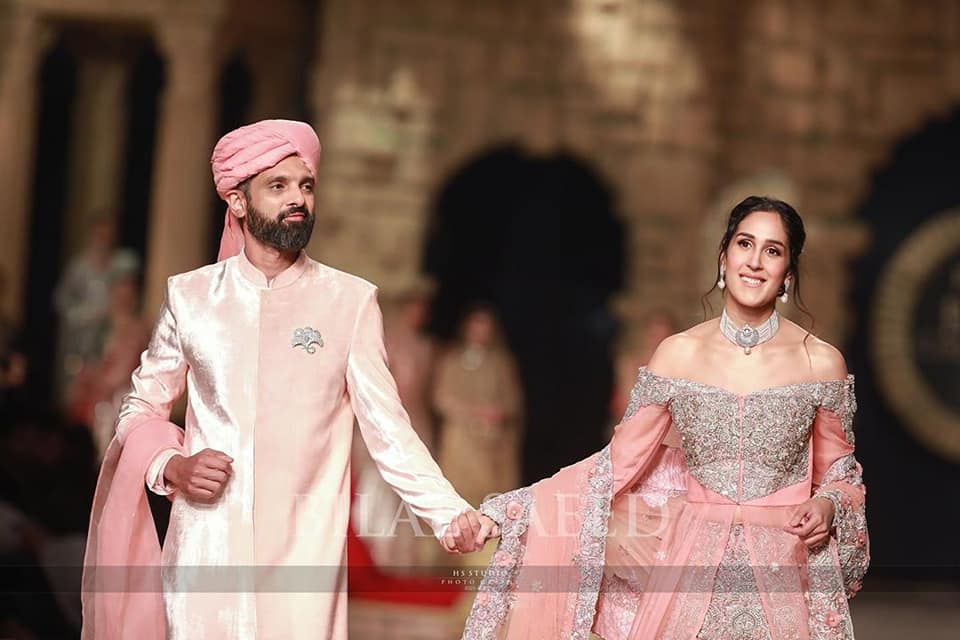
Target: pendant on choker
747, 337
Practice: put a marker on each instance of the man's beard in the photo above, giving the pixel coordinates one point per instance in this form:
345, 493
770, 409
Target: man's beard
284, 236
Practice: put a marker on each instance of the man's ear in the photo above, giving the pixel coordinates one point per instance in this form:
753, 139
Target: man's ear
237, 203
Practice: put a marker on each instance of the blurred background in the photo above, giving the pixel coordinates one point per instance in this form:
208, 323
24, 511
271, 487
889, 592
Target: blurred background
543, 181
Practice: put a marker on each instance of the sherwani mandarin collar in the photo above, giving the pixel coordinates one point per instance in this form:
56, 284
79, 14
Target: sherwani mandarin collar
286, 277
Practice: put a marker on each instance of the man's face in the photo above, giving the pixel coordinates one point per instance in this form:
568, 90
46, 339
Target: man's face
280, 205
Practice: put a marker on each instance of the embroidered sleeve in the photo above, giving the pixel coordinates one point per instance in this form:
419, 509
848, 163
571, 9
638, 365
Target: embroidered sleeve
497, 589
841, 482
649, 389
840, 398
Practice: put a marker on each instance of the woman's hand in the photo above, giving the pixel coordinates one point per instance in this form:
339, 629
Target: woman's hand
811, 521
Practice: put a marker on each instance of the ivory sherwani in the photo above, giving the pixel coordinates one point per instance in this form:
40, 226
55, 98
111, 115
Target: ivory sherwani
275, 373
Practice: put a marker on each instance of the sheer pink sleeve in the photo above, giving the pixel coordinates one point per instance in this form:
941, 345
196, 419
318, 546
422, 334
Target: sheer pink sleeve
637, 438
837, 476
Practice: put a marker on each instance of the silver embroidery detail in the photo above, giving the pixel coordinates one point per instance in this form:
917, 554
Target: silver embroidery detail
849, 521
770, 438
649, 389
829, 613
495, 596
735, 610
839, 397
595, 507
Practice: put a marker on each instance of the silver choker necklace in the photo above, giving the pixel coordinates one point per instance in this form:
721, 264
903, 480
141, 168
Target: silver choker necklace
749, 337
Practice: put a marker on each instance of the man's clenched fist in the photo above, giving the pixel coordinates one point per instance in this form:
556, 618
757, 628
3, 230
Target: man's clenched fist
201, 477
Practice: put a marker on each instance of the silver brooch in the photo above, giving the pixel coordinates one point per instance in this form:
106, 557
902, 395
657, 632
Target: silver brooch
307, 337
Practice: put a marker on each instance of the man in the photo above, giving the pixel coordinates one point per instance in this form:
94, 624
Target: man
277, 353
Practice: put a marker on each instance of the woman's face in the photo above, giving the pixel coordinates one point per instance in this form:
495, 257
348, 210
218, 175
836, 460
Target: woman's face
757, 259
479, 328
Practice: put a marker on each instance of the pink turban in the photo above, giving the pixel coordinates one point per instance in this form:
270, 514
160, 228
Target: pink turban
247, 151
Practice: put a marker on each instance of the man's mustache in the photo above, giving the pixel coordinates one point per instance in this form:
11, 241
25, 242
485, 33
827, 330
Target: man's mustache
301, 210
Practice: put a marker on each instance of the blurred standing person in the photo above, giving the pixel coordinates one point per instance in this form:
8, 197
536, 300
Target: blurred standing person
412, 356
100, 384
82, 302
479, 399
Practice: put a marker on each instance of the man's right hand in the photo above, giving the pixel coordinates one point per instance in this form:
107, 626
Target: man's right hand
201, 477
468, 532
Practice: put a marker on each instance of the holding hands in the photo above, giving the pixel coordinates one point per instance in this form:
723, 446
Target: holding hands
468, 532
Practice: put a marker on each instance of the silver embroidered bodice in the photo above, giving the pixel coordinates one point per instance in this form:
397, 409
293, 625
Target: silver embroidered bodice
745, 447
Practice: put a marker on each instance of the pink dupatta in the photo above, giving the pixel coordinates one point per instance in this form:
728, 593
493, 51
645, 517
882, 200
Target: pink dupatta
122, 592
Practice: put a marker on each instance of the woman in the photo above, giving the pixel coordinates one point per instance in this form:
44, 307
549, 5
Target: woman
478, 397
769, 540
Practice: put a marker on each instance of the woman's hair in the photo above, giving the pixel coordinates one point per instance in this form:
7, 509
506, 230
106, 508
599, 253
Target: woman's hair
796, 236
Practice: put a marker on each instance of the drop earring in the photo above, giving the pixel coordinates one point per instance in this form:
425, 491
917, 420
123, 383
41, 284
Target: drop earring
784, 297
722, 282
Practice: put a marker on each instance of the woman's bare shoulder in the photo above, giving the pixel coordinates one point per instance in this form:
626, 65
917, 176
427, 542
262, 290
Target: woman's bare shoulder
675, 353
825, 360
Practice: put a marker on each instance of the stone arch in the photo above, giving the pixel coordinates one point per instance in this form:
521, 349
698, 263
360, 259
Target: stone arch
537, 236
